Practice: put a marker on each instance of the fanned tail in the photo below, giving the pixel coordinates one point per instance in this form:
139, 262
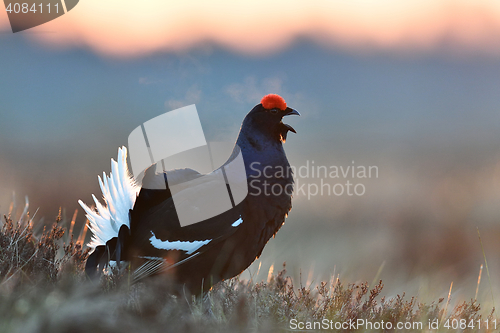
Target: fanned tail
119, 192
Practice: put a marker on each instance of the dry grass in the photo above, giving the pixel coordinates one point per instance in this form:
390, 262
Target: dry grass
29, 259
43, 289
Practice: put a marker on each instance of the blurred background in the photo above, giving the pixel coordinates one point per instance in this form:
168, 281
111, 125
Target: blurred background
411, 87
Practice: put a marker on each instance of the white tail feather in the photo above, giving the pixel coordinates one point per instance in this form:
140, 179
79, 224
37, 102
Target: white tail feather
119, 192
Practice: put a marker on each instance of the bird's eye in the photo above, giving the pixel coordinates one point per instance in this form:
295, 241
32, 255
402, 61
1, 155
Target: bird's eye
274, 111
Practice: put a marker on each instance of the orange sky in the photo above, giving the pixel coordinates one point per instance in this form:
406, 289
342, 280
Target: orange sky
132, 28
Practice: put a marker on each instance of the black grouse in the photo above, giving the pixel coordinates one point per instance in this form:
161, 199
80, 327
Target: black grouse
141, 225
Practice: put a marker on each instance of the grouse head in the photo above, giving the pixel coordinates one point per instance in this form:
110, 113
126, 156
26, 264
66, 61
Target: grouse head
265, 119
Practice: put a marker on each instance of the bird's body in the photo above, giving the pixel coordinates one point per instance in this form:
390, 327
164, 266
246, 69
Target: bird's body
201, 254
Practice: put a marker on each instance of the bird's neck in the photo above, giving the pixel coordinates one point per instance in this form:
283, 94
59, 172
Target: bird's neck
260, 150
258, 142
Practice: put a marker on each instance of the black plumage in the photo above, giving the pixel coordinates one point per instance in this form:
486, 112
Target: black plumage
223, 246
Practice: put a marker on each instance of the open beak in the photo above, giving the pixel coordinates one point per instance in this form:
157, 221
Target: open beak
290, 111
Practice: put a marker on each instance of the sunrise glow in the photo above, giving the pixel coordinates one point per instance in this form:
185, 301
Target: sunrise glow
130, 28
